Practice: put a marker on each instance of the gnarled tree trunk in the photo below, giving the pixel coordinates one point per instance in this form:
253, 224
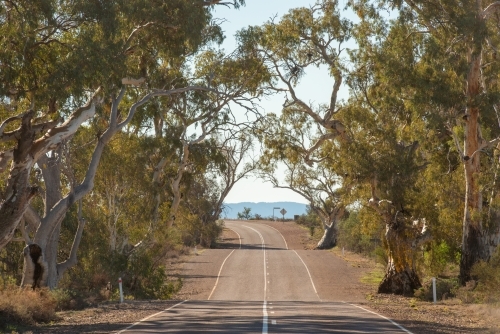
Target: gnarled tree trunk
330, 221
329, 238
400, 276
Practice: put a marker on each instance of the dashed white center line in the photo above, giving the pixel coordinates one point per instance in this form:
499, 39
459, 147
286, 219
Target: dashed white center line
264, 306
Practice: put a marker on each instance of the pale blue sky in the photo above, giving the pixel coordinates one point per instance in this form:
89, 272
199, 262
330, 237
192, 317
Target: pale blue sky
315, 87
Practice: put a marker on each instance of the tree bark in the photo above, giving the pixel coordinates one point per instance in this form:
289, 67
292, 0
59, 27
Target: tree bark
329, 238
473, 247
400, 276
400, 281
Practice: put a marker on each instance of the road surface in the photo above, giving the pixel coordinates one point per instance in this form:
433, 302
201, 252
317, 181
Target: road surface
261, 286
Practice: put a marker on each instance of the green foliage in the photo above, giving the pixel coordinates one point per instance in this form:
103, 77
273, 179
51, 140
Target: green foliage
445, 288
68, 299
488, 279
438, 257
309, 220
245, 214
354, 237
10, 264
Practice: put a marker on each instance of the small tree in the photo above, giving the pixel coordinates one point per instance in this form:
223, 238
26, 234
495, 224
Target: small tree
245, 214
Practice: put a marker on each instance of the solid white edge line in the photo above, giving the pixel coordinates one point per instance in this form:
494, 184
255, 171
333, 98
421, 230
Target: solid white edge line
380, 315
310, 277
279, 233
149, 317
220, 270
239, 237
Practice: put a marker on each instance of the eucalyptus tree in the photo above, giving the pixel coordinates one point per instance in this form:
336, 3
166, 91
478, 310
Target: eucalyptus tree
236, 149
303, 38
319, 184
322, 189
459, 74
57, 55
197, 119
230, 161
392, 156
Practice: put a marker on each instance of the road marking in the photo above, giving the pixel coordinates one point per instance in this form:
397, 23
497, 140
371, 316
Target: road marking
264, 319
220, 270
314, 287
380, 315
239, 237
280, 234
149, 317
264, 306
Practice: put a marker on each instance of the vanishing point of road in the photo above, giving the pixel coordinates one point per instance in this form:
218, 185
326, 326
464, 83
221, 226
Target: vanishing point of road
261, 286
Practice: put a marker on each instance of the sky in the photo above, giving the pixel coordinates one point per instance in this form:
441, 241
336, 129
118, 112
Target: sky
315, 87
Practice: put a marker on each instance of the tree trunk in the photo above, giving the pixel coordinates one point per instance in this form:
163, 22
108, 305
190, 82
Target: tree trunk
399, 280
473, 247
493, 233
175, 184
400, 276
329, 238
35, 267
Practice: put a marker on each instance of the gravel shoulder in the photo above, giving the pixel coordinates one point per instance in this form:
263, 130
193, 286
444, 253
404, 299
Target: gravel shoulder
198, 270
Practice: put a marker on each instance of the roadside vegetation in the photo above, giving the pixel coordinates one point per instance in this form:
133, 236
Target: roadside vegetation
124, 126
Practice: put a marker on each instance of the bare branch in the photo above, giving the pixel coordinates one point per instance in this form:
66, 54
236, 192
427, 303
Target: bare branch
7, 121
493, 7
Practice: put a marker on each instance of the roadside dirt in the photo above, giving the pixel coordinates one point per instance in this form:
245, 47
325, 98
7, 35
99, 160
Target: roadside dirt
418, 317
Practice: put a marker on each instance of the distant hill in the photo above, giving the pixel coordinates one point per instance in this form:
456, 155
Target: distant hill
264, 209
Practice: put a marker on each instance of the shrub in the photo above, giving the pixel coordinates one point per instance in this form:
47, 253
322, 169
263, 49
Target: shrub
445, 288
25, 306
485, 287
356, 238
68, 299
488, 279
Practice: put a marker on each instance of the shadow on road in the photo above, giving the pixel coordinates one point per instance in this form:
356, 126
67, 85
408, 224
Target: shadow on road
247, 317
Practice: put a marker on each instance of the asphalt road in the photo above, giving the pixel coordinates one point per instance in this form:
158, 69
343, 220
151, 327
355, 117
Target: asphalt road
263, 287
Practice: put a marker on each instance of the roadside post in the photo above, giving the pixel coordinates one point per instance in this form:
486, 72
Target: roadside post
121, 289
434, 289
275, 208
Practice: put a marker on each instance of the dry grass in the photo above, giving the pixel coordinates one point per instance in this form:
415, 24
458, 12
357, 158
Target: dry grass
25, 306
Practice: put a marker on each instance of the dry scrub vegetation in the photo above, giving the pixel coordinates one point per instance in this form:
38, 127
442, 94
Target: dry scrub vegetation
25, 306
474, 308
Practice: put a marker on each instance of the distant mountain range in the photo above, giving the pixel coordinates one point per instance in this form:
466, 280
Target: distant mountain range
264, 209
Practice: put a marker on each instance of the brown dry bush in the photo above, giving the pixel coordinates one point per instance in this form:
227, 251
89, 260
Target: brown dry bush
25, 306
486, 286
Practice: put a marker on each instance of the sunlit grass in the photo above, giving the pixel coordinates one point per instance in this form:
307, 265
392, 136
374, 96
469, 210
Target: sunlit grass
374, 276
